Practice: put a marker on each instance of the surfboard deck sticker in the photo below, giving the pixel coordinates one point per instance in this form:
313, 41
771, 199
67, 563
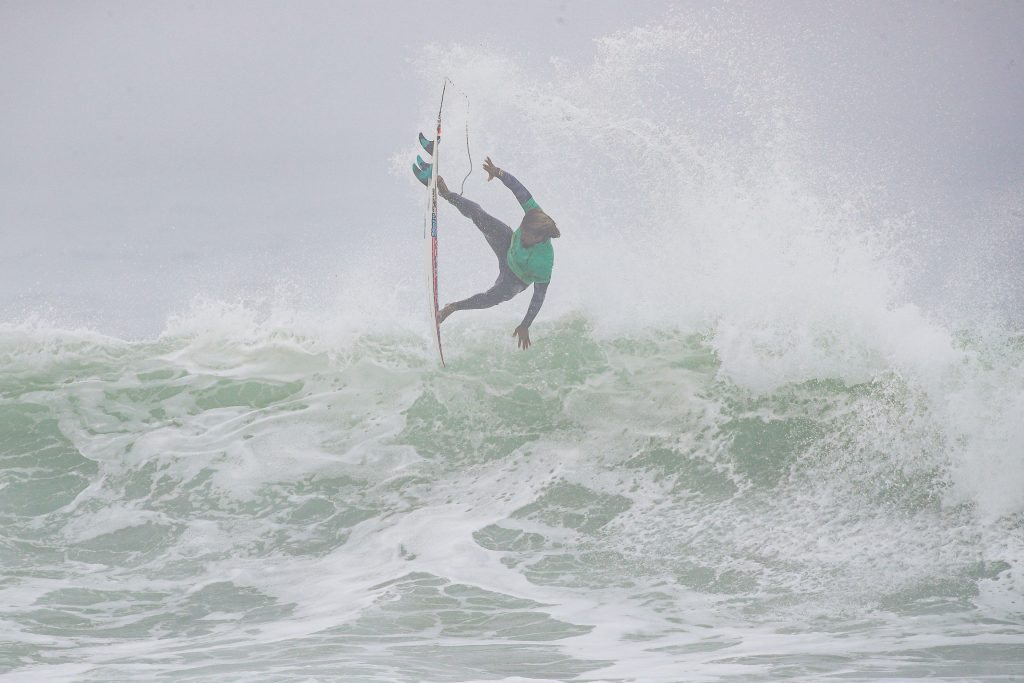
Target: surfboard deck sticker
430, 240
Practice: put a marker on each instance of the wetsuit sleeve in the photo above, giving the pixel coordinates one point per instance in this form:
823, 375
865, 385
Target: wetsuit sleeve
540, 290
523, 195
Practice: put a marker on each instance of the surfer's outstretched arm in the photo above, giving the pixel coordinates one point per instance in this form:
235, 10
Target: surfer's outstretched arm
522, 195
540, 290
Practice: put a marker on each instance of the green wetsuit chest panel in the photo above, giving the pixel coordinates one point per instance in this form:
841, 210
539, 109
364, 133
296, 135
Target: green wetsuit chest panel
531, 264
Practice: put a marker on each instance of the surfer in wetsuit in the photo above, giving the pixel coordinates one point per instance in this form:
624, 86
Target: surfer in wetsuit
525, 256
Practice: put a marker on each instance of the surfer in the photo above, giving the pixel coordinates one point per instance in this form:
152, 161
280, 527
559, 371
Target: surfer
525, 257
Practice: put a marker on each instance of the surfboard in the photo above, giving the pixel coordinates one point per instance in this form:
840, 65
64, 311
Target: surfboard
430, 241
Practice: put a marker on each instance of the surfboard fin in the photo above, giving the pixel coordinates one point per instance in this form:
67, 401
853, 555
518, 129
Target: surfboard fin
427, 145
422, 170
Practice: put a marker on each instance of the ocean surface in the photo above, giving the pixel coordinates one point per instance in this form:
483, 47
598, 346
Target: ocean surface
771, 427
262, 505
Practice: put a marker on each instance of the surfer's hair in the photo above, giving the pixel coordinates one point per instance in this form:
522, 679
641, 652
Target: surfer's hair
538, 222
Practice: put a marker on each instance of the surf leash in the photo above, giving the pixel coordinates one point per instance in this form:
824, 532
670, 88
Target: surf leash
469, 154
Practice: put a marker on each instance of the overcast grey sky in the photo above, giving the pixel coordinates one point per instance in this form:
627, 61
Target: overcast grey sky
252, 109
140, 138
161, 131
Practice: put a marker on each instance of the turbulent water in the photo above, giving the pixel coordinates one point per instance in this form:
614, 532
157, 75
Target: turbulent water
753, 441
213, 508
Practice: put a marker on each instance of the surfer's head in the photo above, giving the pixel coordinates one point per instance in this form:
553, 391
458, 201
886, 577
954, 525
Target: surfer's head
539, 225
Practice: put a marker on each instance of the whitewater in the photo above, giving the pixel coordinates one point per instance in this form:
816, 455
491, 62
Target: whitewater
753, 449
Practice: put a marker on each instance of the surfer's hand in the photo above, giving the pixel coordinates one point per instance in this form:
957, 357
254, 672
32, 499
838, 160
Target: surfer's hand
442, 188
523, 333
491, 169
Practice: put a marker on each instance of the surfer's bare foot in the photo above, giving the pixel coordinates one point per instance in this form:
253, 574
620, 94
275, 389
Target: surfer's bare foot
445, 312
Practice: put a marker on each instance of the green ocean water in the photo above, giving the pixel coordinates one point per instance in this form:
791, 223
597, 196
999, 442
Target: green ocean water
211, 507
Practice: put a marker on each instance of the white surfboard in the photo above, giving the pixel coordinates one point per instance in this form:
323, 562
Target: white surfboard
430, 241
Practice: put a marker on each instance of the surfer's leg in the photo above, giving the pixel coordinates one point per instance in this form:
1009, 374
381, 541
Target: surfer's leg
504, 288
497, 234
492, 297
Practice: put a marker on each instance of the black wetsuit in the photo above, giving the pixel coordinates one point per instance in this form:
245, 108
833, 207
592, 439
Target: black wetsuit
499, 237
